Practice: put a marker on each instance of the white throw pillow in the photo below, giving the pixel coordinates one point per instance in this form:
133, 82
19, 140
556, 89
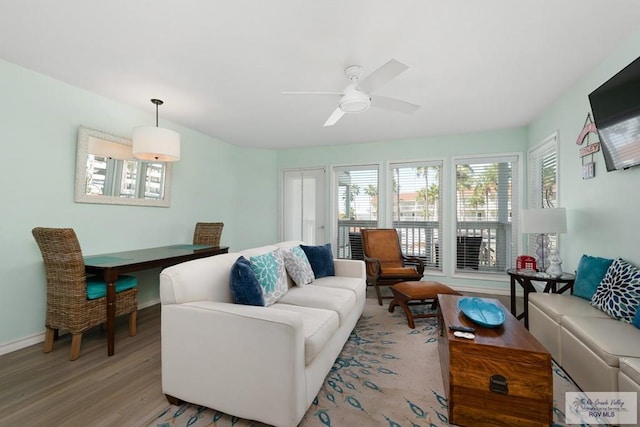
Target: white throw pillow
298, 267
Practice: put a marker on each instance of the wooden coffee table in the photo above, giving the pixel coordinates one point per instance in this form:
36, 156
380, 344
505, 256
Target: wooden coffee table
502, 377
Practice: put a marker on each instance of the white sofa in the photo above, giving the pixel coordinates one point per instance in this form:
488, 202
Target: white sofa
261, 363
598, 352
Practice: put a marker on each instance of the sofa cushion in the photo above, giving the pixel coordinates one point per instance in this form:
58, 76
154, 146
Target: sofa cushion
610, 339
355, 284
557, 305
269, 269
319, 326
342, 301
590, 272
619, 292
298, 267
321, 259
245, 287
631, 367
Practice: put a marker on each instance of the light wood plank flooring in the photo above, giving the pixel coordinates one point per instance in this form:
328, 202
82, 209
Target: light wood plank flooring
38, 389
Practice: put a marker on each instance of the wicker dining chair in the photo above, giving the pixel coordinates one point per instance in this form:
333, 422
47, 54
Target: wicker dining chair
68, 304
208, 233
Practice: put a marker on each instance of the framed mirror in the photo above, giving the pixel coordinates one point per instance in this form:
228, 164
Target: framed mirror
107, 173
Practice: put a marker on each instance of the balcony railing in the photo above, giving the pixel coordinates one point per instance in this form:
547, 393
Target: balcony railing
422, 239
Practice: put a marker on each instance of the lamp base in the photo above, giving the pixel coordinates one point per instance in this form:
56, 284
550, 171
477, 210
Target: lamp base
542, 252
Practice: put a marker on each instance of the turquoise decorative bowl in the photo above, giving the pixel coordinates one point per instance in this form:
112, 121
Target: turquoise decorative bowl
482, 312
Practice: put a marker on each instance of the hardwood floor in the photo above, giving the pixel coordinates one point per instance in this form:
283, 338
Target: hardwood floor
40, 389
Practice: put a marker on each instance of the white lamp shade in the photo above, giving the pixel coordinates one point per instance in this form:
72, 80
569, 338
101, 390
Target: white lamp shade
156, 144
549, 220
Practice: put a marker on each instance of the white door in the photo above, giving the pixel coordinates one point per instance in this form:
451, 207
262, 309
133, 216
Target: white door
303, 205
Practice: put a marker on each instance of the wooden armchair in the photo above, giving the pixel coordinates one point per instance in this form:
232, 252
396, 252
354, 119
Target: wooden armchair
208, 233
385, 262
75, 303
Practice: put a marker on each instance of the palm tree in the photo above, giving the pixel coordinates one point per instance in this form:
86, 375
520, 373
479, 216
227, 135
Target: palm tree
372, 192
423, 195
464, 177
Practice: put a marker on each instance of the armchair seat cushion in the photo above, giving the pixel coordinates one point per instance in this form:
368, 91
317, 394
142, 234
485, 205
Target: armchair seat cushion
340, 301
319, 326
97, 288
398, 271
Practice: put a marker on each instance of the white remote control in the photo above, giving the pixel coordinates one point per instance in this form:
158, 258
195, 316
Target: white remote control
467, 335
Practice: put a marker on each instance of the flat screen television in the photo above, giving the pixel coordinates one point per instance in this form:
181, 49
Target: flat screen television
616, 112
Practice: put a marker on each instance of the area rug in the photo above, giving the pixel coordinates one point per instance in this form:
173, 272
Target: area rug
386, 375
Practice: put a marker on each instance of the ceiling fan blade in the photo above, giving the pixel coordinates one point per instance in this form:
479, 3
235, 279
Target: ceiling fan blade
313, 93
381, 76
334, 117
393, 104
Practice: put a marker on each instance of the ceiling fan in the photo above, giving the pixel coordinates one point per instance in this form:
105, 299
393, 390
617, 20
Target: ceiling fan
357, 98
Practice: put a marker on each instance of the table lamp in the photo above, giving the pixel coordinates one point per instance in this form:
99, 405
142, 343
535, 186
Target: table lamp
544, 222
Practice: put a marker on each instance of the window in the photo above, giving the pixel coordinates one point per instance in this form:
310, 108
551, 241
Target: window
416, 209
356, 201
486, 226
543, 181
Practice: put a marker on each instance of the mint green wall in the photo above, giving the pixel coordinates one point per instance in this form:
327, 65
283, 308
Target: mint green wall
601, 212
511, 141
39, 118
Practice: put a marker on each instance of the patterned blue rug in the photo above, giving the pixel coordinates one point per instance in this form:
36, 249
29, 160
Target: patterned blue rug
386, 375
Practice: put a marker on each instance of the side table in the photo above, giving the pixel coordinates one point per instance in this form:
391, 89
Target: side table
524, 279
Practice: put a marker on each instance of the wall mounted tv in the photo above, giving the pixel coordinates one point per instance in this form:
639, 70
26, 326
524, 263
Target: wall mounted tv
616, 111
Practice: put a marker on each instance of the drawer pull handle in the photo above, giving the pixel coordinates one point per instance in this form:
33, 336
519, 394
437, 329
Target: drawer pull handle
498, 384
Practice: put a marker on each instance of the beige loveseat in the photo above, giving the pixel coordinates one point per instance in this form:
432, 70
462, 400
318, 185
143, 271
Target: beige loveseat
600, 354
260, 363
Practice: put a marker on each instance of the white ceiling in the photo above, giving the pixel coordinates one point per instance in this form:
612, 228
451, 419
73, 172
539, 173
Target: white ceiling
220, 65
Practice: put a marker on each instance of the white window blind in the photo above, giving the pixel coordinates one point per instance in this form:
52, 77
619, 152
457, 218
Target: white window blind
486, 228
416, 209
357, 202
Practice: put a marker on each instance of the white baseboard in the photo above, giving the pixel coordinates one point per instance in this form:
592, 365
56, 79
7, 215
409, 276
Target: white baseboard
27, 341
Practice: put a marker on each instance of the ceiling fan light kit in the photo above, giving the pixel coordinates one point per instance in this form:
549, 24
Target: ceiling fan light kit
356, 98
354, 101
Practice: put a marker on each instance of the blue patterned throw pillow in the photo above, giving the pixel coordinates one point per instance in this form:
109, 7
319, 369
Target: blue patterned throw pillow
618, 294
321, 260
245, 288
269, 269
298, 267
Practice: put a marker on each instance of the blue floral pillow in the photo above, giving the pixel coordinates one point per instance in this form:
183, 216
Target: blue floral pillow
269, 269
618, 294
298, 267
245, 288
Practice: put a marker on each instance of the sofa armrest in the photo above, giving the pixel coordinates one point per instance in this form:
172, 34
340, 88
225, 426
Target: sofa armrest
349, 268
239, 359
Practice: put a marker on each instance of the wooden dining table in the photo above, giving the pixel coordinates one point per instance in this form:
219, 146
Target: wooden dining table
110, 265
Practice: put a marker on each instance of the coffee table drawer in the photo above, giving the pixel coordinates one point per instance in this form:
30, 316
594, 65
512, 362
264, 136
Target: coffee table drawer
521, 392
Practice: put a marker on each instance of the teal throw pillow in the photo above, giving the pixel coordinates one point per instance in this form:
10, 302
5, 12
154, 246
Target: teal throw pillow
619, 292
321, 260
636, 319
271, 274
298, 267
97, 288
590, 272
245, 288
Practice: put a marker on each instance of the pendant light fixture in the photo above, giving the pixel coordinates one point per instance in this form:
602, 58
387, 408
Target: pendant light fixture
155, 144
